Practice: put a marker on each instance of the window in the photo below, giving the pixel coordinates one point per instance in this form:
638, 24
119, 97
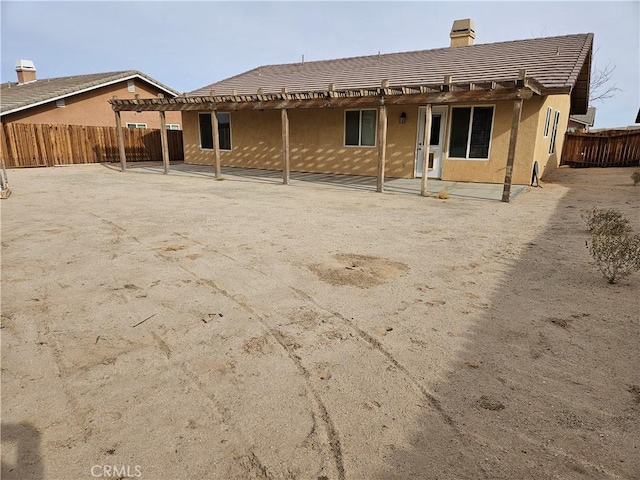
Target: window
470, 135
173, 126
436, 120
206, 130
131, 86
60, 103
136, 125
360, 128
554, 132
547, 122
224, 130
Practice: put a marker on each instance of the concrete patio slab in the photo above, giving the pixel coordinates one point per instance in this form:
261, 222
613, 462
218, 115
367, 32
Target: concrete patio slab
409, 186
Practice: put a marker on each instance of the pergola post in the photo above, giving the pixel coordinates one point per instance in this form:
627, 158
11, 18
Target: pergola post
425, 149
164, 142
511, 155
285, 146
216, 141
382, 151
123, 158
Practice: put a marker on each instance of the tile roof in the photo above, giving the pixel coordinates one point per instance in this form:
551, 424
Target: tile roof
555, 62
14, 97
588, 119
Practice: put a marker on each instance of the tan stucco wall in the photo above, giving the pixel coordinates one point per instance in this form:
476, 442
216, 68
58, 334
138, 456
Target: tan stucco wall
92, 109
547, 163
317, 143
493, 169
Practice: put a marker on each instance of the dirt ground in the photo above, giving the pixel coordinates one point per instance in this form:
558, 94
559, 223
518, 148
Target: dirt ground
174, 327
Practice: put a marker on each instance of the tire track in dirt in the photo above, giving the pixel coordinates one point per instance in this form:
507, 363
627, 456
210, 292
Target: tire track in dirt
376, 345
79, 414
250, 461
331, 432
371, 341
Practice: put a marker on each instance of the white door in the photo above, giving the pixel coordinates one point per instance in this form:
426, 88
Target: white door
438, 122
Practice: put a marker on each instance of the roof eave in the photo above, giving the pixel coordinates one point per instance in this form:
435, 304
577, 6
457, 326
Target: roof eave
95, 86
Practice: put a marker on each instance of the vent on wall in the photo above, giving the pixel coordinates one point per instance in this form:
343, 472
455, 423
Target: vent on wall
131, 86
60, 103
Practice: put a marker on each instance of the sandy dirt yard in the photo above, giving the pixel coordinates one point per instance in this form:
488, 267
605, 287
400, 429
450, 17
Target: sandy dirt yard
175, 327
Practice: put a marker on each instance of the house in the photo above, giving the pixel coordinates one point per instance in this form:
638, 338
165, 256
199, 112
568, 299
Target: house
582, 123
495, 110
80, 99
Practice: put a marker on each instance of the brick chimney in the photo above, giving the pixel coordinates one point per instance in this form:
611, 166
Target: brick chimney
462, 33
26, 71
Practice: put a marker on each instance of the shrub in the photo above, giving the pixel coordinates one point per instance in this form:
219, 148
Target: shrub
616, 255
606, 221
635, 176
443, 194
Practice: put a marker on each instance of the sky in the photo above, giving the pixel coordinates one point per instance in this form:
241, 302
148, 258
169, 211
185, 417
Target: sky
187, 45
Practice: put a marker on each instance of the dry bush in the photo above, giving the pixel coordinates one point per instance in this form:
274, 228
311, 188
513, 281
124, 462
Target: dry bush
616, 255
443, 195
606, 221
635, 176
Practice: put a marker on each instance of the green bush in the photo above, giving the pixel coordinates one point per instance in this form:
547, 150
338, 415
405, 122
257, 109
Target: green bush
635, 176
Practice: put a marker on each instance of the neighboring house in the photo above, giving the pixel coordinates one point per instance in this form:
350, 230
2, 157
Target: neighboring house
366, 115
80, 99
582, 123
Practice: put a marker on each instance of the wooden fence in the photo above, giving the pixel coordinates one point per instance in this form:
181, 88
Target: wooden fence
26, 145
612, 148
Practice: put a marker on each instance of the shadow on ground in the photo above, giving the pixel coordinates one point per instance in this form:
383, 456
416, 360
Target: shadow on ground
22, 442
547, 386
409, 186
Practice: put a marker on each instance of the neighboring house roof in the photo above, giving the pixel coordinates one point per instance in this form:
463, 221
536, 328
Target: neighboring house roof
557, 63
588, 119
15, 97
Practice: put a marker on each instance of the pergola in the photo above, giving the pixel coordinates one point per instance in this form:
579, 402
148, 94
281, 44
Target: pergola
516, 90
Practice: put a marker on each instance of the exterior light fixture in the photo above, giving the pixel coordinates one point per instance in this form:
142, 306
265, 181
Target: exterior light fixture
403, 117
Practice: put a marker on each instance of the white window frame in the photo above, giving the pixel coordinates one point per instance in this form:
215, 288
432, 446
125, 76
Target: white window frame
173, 126
448, 133
131, 86
547, 122
136, 125
344, 128
554, 133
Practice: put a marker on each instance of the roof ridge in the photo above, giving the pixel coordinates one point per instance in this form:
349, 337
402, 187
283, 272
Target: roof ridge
228, 78
410, 51
62, 87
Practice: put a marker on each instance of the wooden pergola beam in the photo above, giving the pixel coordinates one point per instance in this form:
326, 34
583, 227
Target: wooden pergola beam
382, 147
511, 155
164, 142
329, 100
425, 148
215, 132
123, 156
285, 146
